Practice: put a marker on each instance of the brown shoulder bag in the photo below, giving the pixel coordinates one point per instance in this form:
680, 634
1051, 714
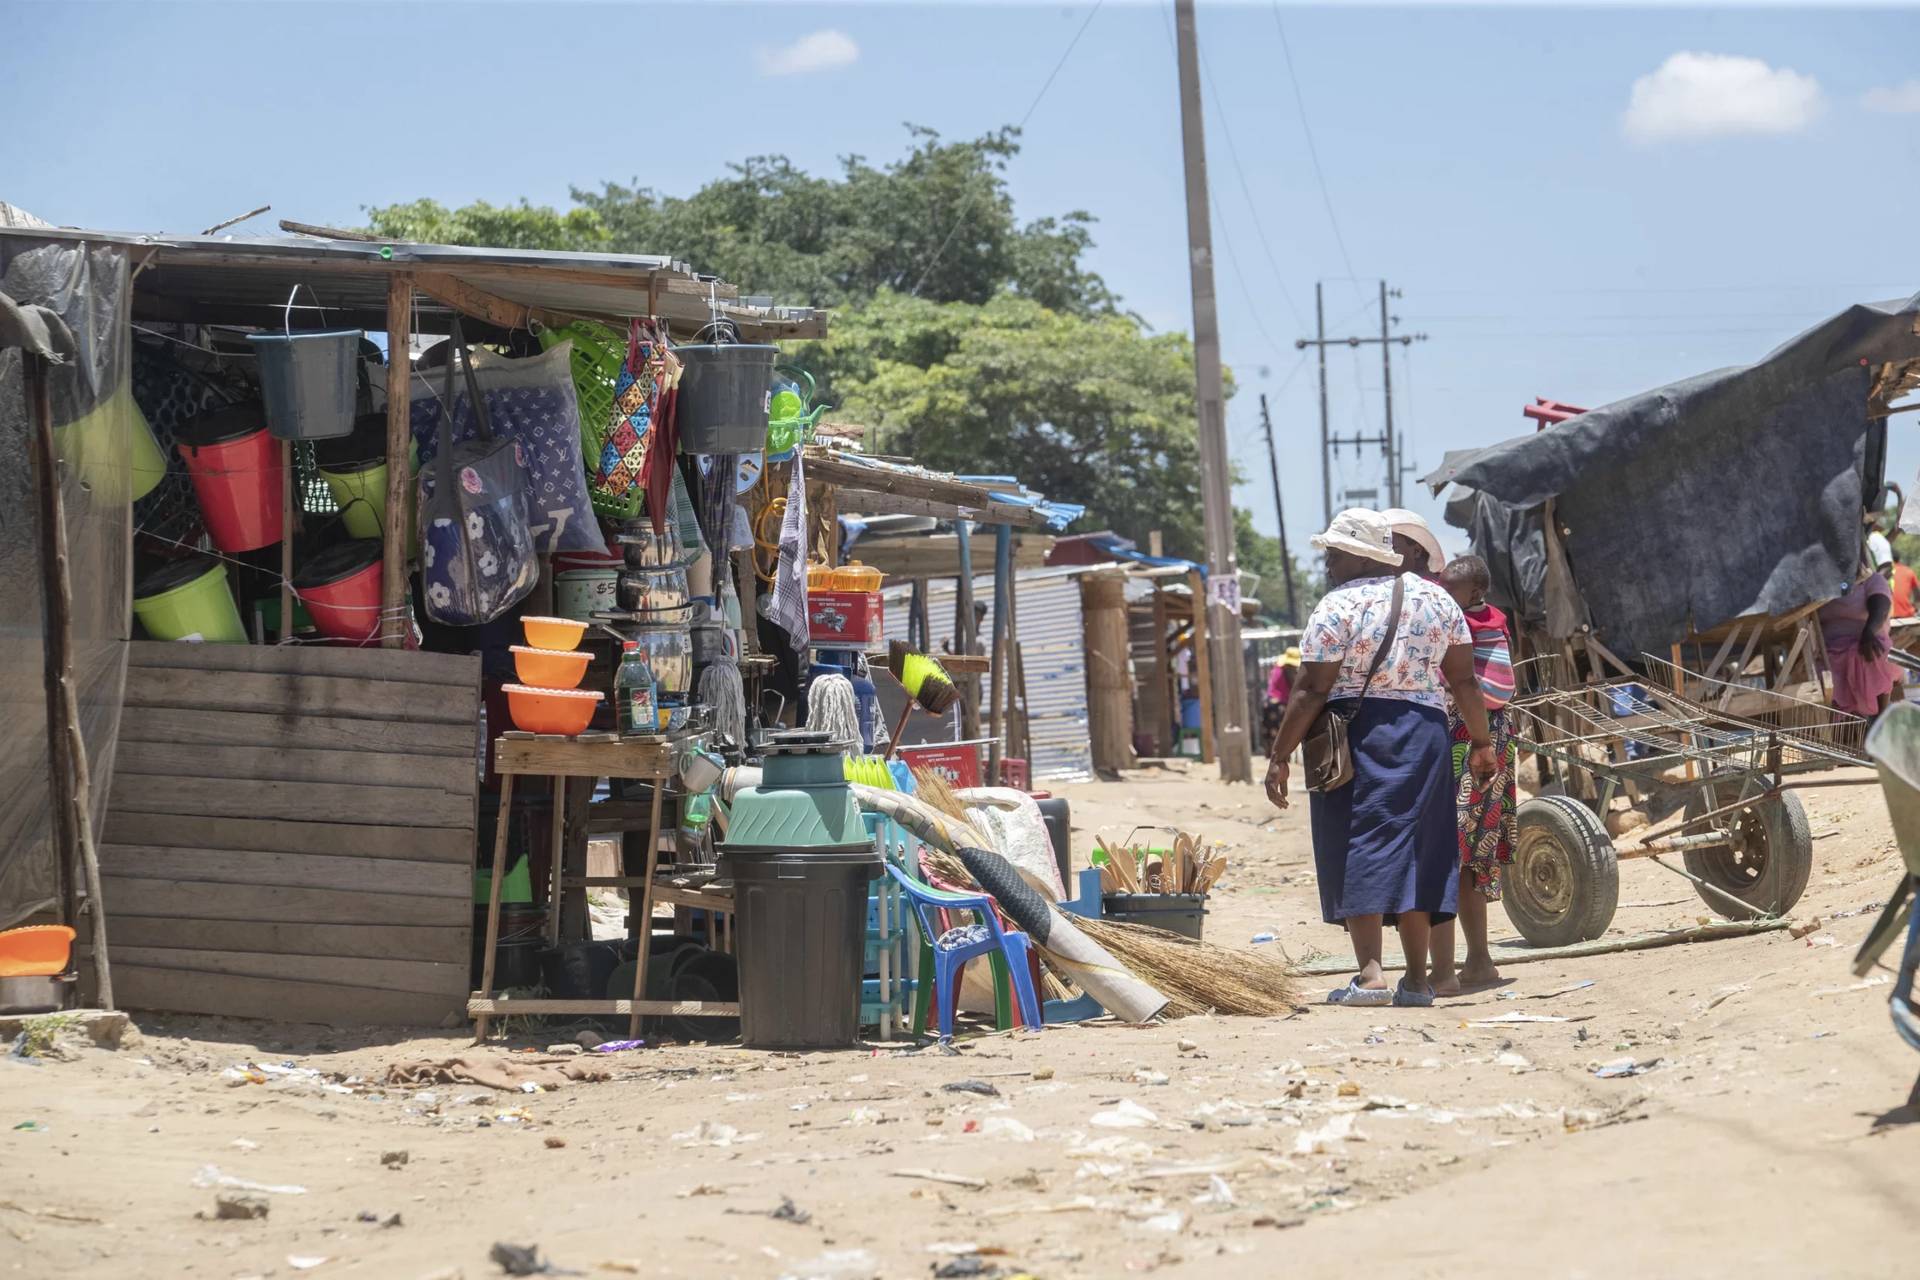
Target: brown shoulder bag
1326, 755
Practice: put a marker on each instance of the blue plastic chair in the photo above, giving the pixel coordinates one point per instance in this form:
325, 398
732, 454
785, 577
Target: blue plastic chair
949, 960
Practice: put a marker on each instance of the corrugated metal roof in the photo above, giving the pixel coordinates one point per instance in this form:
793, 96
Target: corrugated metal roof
247, 279
1053, 648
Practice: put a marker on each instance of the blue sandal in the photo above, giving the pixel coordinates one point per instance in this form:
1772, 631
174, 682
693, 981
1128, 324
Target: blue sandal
1365, 997
1411, 999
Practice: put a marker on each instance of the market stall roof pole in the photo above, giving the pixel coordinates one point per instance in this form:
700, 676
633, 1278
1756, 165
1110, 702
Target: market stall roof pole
42, 335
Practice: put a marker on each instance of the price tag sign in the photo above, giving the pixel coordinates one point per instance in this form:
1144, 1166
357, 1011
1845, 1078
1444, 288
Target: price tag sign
1224, 590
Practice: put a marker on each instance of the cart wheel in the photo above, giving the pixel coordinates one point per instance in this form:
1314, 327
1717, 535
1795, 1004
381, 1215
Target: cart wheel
1564, 883
1771, 858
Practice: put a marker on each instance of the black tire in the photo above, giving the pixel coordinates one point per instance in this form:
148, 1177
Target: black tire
1564, 884
1770, 862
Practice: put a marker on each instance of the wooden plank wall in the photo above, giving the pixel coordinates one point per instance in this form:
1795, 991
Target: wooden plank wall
290, 833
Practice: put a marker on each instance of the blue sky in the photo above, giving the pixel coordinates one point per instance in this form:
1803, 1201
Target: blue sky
1556, 230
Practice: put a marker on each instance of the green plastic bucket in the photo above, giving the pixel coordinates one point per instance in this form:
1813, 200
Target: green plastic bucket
517, 887
354, 467
189, 600
112, 449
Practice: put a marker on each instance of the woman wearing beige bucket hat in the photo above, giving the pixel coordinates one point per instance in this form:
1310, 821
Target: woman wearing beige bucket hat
1383, 650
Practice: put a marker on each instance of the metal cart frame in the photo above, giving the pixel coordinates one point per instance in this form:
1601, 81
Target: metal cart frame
1709, 763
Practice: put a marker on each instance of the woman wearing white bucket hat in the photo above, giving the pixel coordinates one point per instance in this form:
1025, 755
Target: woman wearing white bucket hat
1383, 650
1413, 538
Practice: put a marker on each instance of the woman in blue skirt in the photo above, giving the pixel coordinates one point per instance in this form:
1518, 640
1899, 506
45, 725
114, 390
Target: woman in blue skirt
1384, 650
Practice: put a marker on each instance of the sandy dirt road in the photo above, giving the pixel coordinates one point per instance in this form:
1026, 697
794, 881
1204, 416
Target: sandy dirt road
1766, 1138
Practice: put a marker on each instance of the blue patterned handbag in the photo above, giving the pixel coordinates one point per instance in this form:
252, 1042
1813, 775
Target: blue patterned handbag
477, 557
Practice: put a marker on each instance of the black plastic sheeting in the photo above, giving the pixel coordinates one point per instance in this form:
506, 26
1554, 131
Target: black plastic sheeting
1730, 493
88, 286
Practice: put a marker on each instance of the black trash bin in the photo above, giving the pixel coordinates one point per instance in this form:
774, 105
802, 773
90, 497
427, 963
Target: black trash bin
802, 920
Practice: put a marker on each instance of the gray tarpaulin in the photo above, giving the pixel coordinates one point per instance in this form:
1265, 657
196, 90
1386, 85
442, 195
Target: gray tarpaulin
86, 285
1731, 493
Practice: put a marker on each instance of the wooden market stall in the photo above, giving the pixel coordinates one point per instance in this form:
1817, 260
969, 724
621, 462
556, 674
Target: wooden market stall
292, 830
842, 482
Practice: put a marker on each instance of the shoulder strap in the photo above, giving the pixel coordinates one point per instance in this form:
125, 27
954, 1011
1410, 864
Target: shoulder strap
458, 355
1393, 629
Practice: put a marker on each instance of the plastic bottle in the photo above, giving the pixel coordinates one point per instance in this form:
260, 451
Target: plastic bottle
639, 703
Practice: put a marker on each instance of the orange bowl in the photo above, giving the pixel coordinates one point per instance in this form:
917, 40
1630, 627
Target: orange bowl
38, 950
554, 633
562, 711
550, 668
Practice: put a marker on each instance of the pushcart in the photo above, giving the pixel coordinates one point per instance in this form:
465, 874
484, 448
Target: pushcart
1706, 764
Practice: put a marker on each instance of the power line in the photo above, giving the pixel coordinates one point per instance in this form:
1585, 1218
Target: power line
1233, 153
1219, 215
1313, 151
1698, 288
1239, 276
967, 207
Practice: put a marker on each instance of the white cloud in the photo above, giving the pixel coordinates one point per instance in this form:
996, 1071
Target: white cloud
1902, 99
821, 51
1705, 95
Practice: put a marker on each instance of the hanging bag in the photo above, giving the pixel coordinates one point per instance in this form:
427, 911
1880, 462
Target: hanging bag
477, 557
1326, 754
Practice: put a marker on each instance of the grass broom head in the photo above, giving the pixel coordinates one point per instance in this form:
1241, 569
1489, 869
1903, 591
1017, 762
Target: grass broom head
924, 679
932, 786
1197, 977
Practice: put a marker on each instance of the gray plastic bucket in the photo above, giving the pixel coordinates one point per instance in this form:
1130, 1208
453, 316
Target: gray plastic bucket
308, 380
725, 393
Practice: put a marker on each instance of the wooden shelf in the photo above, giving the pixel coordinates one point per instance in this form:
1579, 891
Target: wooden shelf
506, 1007
644, 758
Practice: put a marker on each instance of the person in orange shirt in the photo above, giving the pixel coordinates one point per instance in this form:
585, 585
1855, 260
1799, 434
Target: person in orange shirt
1906, 586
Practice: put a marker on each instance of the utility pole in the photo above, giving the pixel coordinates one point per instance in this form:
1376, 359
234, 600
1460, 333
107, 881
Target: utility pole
1386, 388
1390, 444
1227, 667
1280, 512
1326, 460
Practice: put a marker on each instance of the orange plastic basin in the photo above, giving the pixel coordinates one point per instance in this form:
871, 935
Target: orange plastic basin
554, 633
38, 950
550, 668
562, 711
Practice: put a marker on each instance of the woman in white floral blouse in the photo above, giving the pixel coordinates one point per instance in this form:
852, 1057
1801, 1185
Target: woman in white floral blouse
1384, 845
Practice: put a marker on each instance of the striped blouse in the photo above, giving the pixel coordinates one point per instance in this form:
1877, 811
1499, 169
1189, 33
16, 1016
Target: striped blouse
1492, 661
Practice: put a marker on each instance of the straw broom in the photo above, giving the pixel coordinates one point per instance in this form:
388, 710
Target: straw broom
1195, 976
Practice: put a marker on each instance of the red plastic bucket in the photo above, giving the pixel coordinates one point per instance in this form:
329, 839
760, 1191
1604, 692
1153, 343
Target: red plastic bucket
235, 467
341, 589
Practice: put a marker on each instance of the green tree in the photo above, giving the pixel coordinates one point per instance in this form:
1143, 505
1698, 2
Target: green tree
968, 340
509, 226
1085, 408
937, 223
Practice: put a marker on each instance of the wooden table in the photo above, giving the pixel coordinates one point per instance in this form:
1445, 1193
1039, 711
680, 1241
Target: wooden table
646, 759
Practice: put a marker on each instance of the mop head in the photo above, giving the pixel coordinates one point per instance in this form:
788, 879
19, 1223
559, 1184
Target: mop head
720, 691
925, 680
833, 709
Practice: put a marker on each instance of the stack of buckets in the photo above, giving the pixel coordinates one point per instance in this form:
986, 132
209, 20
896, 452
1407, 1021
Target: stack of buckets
234, 459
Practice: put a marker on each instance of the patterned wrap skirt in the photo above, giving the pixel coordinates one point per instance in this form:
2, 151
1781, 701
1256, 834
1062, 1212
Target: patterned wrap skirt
1487, 824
